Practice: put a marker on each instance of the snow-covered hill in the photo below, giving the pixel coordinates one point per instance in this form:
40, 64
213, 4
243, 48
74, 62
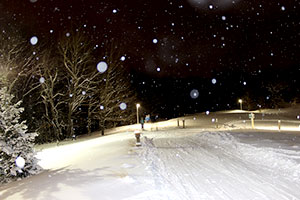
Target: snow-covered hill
201, 161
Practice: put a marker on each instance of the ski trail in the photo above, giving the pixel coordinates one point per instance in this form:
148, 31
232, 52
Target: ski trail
215, 165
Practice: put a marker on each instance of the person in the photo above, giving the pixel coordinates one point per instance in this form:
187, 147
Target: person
142, 123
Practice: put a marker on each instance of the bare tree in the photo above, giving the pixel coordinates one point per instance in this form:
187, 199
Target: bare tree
15, 59
117, 99
76, 54
52, 96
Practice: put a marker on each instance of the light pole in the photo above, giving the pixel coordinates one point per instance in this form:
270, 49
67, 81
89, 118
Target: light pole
241, 103
137, 112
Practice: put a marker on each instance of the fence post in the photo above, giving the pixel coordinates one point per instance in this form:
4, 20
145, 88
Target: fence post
183, 123
279, 125
177, 122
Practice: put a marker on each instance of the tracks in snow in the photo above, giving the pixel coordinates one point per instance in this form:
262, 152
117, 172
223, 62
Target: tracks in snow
215, 165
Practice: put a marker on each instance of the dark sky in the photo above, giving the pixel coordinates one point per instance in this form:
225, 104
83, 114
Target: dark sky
237, 43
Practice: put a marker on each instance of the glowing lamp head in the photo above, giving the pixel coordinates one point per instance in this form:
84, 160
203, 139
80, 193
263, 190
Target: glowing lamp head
240, 100
138, 105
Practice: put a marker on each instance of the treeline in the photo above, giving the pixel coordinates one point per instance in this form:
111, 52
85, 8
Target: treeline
67, 88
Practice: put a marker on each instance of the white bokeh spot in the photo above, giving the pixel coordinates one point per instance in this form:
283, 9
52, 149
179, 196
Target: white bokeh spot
20, 162
194, 94
102, 67
33, 40
123, 106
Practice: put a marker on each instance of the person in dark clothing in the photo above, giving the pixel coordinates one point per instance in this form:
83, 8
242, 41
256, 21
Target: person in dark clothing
142, 122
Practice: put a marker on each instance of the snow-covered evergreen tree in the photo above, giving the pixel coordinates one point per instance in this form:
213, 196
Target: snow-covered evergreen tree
16, 145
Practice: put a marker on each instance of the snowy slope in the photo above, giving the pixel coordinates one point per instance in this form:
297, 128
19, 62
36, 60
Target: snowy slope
200, 162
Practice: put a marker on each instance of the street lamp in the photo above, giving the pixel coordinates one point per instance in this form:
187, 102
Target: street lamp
241, 103
137, 112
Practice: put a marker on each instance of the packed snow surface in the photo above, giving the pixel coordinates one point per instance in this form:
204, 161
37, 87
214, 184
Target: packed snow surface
175, 163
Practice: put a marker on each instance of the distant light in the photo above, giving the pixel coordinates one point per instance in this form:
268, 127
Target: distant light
214, 81
223, 18
83, 92
194, 94
42, 80
68, 34
51, 31
213, 120
34, 40
282, 8
20, 162
33, 1
101, 107
244, 83
194, 118
71, 95
154, 41
158, 69
298, 116
123, 106
207, 112
115, 11
123, 58
210, 6
138, 105
102, 67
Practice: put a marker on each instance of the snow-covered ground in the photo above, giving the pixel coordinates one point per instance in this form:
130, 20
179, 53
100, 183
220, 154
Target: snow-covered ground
202, 161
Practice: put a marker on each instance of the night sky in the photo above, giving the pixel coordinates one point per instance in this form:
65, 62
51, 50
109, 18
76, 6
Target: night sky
219, 49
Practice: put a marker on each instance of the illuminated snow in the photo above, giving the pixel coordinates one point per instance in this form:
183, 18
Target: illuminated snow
200, 161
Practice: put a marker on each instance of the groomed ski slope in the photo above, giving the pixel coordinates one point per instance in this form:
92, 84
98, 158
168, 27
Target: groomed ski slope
171, 164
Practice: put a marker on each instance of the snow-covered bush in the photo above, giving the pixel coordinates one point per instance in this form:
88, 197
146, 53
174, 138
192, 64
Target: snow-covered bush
16, 145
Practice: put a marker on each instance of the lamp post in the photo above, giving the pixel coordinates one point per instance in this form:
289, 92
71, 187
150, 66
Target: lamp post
241, 103
137, 112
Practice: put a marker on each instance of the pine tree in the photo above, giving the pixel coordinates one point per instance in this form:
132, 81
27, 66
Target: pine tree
16, 145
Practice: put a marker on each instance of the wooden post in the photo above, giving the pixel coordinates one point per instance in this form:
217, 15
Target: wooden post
183, 123
177, 122
279, 125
